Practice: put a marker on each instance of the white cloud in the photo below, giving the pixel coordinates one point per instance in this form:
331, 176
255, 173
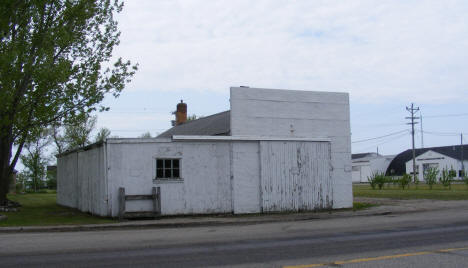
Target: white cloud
374, 50
387, 54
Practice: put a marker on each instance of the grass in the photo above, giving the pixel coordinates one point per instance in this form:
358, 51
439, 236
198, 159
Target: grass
41, 209
361, 205
421, 191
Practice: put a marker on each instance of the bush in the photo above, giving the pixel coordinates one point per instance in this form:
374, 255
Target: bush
51, 183
415, 180
447, 177
465, 179
378, 179
404, 181
430, 176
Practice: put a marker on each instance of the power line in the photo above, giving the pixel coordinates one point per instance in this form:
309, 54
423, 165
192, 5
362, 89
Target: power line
446, 115
441, 133
380, 137
386, 141
380, 125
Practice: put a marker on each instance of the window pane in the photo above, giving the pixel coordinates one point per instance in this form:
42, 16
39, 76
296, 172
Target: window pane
176, 173
167, 173
167, 163
159, 163
175, 163
159, 173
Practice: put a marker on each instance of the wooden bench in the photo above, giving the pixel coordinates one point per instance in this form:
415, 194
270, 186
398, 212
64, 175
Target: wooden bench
155, 196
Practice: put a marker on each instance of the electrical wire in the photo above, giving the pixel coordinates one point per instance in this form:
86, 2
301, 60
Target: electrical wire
441, 133
380, 137
386, 141
445, 115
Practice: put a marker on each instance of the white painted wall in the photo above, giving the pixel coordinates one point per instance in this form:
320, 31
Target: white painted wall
365, 167
205, 170
81, 180
288, 113
246, 176
432, 157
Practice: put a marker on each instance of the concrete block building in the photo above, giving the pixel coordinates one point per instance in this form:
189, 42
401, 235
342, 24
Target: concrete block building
274, 150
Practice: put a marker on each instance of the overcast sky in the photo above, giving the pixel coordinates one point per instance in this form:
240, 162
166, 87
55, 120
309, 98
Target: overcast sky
386, 54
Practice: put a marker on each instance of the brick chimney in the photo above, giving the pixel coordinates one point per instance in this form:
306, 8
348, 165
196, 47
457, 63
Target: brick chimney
181, 113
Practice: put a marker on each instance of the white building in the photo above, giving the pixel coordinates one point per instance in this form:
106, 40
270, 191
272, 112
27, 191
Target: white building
364, 165
449, 158
275, 150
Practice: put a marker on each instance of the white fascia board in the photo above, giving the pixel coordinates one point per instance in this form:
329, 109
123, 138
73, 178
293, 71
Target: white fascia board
245, 138
137, 140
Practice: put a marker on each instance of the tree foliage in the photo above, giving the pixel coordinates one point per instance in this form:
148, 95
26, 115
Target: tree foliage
147, 134
430, 176
102, 134
78, 132
55, 64
35, 161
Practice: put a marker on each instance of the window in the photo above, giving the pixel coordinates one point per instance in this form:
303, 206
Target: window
167, 168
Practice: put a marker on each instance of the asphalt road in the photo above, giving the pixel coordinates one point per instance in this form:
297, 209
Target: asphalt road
425, 239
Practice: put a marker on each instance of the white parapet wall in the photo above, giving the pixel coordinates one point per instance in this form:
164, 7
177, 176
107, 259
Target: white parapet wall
290, 113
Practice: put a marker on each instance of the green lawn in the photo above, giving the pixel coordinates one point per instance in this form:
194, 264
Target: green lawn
421, 191
41, 209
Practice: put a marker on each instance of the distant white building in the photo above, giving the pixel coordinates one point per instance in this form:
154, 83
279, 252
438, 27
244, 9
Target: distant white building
364, 165
447, 159
275, 150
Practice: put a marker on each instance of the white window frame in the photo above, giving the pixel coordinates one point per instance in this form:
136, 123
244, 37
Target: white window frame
171, 179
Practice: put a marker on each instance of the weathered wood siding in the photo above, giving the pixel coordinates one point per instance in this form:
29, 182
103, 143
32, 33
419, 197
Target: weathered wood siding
81, 181
292, 113
295, 176
245, 168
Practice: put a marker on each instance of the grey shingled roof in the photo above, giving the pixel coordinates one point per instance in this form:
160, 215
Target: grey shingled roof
216, 124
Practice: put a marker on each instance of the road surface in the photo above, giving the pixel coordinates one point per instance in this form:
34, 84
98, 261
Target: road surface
424, 239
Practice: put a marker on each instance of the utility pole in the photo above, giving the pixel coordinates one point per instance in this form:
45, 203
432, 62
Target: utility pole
412, 110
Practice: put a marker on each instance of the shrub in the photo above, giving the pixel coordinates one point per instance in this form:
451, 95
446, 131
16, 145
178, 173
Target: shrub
404, 181
378, 179
372, 182
465, 178
430, 176
447, 177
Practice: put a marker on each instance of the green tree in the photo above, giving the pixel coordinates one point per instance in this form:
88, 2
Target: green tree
447, 177
51, 178
21, 180
78, 132
55, 62
193, 117
430, 176
102, 134
147, 134
35, 161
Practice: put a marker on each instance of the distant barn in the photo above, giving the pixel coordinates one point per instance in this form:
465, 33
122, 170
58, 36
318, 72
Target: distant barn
274, 150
